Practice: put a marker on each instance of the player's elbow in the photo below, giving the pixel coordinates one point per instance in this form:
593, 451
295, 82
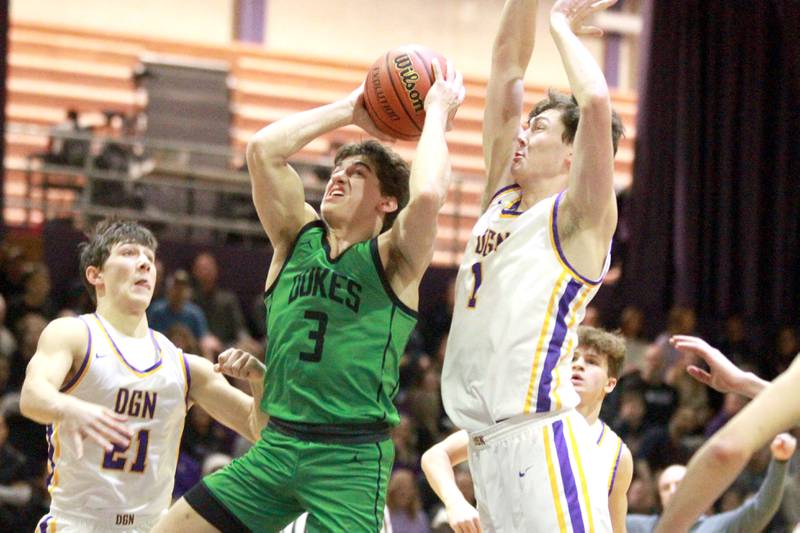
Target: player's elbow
259, 152
728, 450
596, 102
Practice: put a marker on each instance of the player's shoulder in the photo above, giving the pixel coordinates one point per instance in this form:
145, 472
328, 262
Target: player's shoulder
65, 332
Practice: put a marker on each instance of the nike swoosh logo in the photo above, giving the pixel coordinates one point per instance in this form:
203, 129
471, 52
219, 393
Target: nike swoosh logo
100, 355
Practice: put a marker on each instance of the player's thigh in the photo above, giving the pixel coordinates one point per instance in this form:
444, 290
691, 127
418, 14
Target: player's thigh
181, 517
344, 487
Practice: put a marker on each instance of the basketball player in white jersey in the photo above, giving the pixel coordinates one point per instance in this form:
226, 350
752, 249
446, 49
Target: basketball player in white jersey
535, 259
775, 408
114, 394
596, 366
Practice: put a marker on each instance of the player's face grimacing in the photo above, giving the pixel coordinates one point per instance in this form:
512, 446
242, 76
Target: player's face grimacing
539, 149
129, 273
353, 190
590, 375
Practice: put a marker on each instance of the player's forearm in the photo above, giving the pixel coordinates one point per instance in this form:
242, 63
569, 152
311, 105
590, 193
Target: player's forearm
287, 136
42, 402
586, 79
513, 44
439, 473
258, 418
430, 170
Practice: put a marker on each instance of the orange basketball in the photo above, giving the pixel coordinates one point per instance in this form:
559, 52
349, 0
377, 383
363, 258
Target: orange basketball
395, 90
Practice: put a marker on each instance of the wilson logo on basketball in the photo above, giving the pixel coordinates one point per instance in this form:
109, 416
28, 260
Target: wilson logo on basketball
409, 76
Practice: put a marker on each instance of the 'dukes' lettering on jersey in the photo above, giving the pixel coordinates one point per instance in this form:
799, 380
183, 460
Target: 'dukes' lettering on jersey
517, 309
336, 334
130, 482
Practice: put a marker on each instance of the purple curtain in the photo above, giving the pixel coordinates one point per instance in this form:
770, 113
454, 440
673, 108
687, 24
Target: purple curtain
715, 205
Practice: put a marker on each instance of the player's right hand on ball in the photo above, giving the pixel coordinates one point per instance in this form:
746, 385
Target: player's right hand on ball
361, 117
447, 91
463, 518
239, 364
81, 420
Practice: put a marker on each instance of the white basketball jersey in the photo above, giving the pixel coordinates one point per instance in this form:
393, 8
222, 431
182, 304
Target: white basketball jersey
135, 483
609, 445
517, 309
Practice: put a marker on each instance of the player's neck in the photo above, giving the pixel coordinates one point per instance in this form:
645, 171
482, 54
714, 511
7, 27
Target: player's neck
132, 324
536, 188
591, 412
340, 238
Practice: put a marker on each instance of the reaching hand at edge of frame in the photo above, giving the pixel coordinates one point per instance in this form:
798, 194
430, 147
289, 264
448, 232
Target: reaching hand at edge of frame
783, 446
722, 374
576, 12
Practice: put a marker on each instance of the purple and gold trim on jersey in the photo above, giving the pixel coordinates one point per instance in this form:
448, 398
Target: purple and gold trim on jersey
46, 525
613, 475
187, 376
583, 294
566, 299
87, 361
512, 209
53, 454
569, 490
562, 258
141, 373
602, 432
503, 190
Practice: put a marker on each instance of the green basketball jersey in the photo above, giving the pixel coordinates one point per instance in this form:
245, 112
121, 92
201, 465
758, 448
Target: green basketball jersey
336, 332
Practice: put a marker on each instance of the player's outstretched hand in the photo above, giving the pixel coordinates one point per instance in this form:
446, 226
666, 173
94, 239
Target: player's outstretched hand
576, 12
783, 447
463, 517
361, 117
82, 420
239, 364
722, 375
447, 90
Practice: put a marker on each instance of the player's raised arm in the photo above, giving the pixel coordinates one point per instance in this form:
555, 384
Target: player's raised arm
224, 402
61, 343
590, 194
511, 53
409, 243
278, 193
719, 461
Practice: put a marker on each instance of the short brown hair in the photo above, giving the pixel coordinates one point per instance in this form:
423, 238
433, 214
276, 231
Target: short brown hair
106, 234
392, 172
571, 115
611, 345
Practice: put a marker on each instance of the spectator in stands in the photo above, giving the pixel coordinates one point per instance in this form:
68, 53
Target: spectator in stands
631, 326
220, 306
14, 267
177, 307
182, 337
8, 344
406, 451
681, 320
754, 515
663, 446
734, 342
425, 406
732, 404
629, 420
65, 145
787, 345
405, 505
29, 328
35, 297
660, 399
15, 492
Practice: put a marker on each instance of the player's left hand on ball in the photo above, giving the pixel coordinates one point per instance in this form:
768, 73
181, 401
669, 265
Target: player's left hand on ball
239, 364
783, 446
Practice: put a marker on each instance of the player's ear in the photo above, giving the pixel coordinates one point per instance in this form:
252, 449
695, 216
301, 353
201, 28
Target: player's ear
388, 204
611, 383
94, 275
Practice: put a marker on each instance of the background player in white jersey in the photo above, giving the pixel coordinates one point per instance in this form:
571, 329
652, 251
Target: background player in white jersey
114, 394
535, 259
775, 408
596, 366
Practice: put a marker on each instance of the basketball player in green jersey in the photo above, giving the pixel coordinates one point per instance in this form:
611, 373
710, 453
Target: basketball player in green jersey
341, 295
